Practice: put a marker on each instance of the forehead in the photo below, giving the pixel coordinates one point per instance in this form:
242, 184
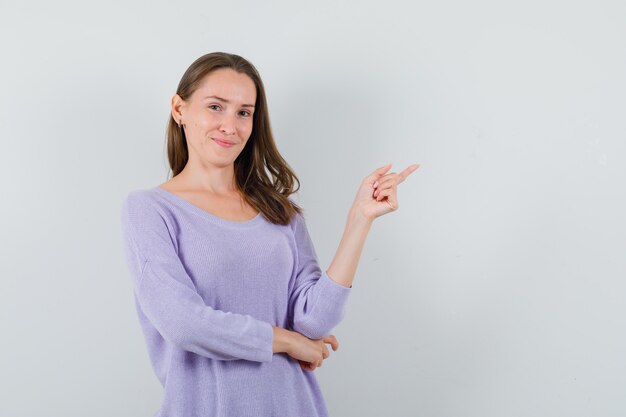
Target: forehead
229, 84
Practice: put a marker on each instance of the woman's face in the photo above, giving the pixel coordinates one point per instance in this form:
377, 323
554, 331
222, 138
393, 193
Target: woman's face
220, 109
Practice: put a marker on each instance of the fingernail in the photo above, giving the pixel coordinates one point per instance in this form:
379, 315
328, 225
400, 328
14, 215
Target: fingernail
375, 184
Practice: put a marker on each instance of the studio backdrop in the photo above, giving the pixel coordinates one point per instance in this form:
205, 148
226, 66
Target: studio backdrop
496, 289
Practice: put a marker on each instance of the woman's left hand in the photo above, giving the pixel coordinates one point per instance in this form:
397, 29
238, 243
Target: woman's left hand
378, 192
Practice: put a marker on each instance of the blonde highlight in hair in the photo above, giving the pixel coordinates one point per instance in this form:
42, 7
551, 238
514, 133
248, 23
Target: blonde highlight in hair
264, 179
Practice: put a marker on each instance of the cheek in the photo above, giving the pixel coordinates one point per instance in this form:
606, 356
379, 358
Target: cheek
203, 119
207, 121
244, 129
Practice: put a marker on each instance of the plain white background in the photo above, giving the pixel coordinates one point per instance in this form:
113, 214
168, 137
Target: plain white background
497, 289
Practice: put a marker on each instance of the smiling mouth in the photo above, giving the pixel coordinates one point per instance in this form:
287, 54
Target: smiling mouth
222, 143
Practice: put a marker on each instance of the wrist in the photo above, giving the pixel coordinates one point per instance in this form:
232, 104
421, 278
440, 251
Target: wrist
282, 340
359, 214
356, 216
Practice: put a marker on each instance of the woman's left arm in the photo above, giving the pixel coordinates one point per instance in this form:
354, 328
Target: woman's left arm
317, 299
376, 196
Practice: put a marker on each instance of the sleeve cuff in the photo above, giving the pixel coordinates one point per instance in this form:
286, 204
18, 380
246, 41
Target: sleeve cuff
332, 289
266, 335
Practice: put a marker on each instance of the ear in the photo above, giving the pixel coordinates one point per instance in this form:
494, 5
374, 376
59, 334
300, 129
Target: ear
178, 106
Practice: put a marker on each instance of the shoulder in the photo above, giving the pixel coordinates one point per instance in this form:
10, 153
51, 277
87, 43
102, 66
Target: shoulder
296, 218
298, 222
141, 207
138, 199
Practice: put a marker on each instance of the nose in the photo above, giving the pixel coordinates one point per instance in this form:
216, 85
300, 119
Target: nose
228, 126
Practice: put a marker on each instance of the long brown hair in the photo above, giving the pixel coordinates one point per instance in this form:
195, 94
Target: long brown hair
260, 157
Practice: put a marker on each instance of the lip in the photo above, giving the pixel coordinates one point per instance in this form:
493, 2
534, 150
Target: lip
223, 143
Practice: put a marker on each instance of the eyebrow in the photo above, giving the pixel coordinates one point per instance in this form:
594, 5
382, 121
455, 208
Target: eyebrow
226, 101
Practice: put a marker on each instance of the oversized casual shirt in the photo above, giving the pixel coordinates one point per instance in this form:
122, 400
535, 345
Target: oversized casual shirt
207, 292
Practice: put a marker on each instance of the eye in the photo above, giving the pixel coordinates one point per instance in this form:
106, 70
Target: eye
245, 111
213, 105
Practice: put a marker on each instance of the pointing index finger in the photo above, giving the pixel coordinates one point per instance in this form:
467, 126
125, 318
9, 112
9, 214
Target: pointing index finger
407, 171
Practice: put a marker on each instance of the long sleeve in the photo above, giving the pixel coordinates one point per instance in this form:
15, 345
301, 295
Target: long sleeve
317, 303
168, 297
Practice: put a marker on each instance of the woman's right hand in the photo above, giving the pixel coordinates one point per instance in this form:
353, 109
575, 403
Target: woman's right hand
310, 353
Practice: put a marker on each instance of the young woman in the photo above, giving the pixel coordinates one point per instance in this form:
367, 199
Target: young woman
233, 305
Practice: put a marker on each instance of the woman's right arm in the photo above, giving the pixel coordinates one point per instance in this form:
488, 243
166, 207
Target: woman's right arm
168, 297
